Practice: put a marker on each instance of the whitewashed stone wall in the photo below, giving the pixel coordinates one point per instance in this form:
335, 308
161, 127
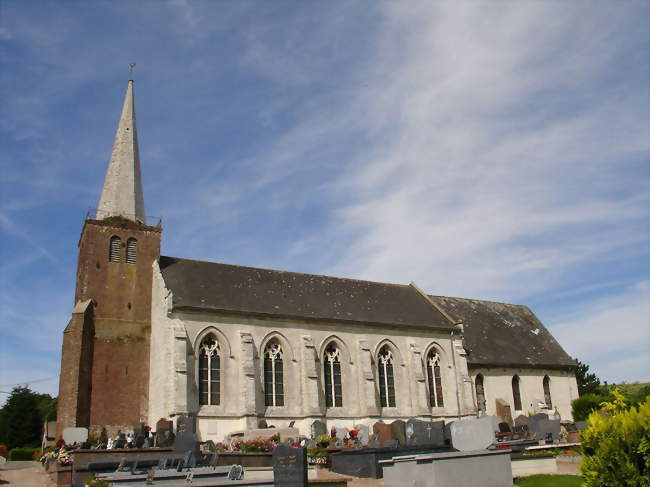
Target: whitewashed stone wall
497, 383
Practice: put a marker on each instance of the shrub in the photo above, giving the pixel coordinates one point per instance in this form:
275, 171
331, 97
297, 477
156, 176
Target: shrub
25, 453
582, 407
616, 445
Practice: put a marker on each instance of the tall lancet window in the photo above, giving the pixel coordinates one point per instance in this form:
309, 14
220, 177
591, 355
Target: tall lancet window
516, 395
435, 380
332, 375
386, 378
273, 375
131, 251
480, 393
546, 384
115, 249
209, 372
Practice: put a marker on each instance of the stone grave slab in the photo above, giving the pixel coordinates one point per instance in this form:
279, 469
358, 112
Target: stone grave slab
75, 435
504, 411
383, 432
425, 432
364, 433
472, 434
289, 466
399, 431
318, 428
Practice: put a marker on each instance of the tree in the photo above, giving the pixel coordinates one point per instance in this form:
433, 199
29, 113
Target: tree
21, 418
588, 383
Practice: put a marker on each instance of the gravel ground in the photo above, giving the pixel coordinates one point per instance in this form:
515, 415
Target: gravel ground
25, 474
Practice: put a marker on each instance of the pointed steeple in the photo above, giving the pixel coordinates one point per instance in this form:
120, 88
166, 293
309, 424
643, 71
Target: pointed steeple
122, 192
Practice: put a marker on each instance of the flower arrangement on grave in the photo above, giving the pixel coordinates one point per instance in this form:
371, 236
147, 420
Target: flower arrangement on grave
353, 432
325, 440
265, 445
317, 456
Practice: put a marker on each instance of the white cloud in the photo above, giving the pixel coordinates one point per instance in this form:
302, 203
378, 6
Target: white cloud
611, 335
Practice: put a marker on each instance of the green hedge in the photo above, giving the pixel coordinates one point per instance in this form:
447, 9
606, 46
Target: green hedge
25, 453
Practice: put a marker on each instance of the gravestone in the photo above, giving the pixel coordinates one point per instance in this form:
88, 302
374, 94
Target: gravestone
533, 424
289, 466
364, 433
120, 442
103, 438
425, 432
504, 411
472, 434
399, 431
546, 429
383, 432
262, 424
164, 433
75, 435
140, 436
185, 424
318, 428
373, 441
341, 433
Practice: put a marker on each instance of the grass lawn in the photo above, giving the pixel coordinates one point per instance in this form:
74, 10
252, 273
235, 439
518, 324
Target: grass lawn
549, 481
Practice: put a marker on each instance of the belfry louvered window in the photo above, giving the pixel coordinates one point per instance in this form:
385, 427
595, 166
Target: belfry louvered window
131, 251
386, 378
115, 249
332, 376
209, 372
273, 375
435, 380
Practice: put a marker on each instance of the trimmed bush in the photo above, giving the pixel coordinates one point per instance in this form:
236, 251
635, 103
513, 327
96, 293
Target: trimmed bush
25, 453
582, 407
616, 445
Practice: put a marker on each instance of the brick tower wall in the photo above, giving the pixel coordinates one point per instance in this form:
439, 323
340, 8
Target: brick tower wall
121, 300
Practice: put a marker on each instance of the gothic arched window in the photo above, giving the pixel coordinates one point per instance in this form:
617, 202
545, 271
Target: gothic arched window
332, 375
209, 372
115, 249
480, 393
386, 377
273, 375
131, 251
516, 395
435, 380
546, 384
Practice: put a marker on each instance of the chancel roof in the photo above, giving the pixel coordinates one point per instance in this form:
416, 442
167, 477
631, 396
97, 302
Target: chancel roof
247, 290
505, 335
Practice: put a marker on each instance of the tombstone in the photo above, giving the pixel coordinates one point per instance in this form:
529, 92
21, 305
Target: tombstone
504, 411
425, 432
75, 435
289, 466
472, 434
546, 429
534, 425
318, 428
383, 432
373, 441
399, 431
341, 433
121, 440
164, 433
185, 424
141, 435
103, 438
364, 434
504, 427
262, 424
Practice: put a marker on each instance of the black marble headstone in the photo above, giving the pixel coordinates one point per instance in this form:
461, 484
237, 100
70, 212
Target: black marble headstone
185, 424
289, 466
425, 432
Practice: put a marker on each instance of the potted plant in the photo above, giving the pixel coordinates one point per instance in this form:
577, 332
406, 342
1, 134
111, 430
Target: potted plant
324, 440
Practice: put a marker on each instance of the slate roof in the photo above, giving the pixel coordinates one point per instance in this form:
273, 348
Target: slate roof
505, 335
212, 286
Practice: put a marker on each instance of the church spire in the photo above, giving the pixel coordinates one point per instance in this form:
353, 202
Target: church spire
122, 192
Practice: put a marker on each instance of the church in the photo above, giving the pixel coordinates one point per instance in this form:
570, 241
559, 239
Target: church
154, 337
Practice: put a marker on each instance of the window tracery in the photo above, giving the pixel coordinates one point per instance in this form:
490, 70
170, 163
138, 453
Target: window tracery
273, 375
386, 377
209, 372
436, 399
332, 375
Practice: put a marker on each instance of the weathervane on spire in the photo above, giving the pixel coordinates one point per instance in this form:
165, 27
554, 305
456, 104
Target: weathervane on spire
131, 66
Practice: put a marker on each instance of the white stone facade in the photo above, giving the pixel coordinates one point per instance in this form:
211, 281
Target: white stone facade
176, 337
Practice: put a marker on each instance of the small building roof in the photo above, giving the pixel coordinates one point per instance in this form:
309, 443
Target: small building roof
505, 335
212, 286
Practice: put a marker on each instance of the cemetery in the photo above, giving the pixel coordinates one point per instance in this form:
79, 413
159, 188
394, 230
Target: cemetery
485, 451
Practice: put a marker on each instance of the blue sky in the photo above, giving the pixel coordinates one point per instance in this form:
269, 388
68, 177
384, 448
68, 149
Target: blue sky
493, 150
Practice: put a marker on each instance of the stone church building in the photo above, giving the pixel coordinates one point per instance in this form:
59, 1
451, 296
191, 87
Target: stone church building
155, 337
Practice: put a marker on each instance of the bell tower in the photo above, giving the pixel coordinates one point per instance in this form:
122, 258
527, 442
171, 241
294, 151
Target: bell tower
105, 359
